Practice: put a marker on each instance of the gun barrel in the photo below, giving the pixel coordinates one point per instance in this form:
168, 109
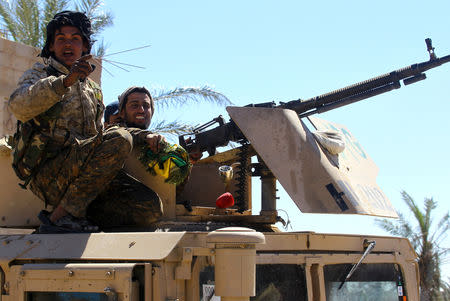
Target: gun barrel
208, 140
351, 99
434, 63
363, 89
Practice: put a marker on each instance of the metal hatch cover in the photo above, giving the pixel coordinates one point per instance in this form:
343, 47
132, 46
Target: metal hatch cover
90, 246
317, 181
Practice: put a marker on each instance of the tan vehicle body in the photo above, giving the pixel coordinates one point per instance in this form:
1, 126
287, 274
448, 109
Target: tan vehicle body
206, 253
166, 266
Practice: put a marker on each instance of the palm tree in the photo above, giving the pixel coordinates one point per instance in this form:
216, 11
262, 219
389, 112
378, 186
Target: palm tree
177, 97
26, 20
425, 240
100, 20
446, 291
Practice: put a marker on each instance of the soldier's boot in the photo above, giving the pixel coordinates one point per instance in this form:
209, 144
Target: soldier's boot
66, 224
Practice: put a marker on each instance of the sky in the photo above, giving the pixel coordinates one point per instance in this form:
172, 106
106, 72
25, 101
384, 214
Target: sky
259, 51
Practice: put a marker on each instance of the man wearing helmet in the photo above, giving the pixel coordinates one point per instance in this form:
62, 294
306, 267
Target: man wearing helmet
60, 148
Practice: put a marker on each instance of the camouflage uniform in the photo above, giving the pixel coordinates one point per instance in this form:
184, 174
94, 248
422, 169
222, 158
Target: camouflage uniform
85, 158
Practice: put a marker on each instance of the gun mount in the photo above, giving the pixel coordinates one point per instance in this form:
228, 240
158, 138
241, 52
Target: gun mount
339, 179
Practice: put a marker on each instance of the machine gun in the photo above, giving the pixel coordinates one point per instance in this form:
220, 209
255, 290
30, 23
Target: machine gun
201, 140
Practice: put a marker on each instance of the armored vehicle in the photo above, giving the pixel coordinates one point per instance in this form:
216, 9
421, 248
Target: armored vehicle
203, 249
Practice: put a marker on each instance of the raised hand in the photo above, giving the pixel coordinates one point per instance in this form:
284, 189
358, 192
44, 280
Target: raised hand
79, 70
156, 142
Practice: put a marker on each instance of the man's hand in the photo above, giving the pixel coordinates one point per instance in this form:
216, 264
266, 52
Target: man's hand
79, 70
195, 156
155, 142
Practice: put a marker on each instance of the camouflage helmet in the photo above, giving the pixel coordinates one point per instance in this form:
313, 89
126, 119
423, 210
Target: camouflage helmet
68, 18
111, 109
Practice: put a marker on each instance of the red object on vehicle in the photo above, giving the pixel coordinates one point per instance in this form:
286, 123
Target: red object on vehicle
226, 200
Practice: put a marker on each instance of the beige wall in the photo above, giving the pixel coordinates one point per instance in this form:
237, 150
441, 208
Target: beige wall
15, 58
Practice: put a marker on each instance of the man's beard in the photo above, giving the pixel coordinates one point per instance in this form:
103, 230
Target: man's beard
134, 125
128, 117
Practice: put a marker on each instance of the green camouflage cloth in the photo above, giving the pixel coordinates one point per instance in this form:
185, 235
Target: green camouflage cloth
81, 159
91, 175
125, 202
82, 107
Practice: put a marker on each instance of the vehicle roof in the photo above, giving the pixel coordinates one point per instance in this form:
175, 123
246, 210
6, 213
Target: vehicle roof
145, 246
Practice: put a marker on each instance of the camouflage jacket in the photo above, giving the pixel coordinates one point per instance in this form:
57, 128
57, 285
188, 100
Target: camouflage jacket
139, 135
81, 105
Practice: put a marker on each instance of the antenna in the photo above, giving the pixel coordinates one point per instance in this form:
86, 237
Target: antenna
118, 64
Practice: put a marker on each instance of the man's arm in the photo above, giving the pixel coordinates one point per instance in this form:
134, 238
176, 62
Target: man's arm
142, 137
36, 93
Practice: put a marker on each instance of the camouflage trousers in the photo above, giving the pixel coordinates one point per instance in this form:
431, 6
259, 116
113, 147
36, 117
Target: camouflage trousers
125, 201
88, 175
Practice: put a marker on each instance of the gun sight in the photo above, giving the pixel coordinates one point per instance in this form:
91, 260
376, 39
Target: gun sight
430, 49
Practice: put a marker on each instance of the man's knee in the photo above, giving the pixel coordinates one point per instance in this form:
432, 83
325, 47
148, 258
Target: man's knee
76, 208
119, 138
148, 212
126, 201
125, 212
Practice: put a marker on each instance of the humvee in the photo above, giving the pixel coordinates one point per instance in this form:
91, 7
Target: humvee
198, 251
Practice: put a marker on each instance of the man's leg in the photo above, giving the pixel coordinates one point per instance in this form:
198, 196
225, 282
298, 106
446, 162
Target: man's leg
76, 176
99, 169
125, 202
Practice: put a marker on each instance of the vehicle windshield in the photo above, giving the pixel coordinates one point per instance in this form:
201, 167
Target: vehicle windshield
280, 282
274, 282
369, 282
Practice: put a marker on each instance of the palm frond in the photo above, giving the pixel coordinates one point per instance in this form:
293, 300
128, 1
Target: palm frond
27, 16
441, 229
402, 228
173, 128
429, 206
51, 7
414, 209
7, 14
183, 95
425, 239
88, 6
390, 227
100, 49
27, 25
443, 252
99, 19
